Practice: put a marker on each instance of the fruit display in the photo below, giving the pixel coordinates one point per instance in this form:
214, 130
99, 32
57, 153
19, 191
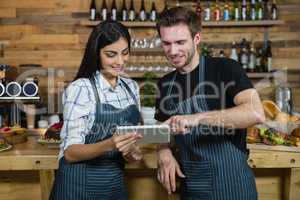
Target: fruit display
14, 135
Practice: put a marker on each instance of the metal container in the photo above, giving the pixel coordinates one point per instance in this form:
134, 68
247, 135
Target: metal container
284, 99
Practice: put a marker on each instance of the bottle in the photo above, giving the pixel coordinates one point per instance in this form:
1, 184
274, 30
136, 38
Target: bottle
143, 12
217, 12
266, 10
269, 56
259, 62
153, 12
131, 11
244, 10
114, 11
259, 10
234, 55
274, 11
244, 59
124, 11
236, 11
207, 11
198, 9
252, 59
226, 13
253, 10
93, 11
222, 55
104, 10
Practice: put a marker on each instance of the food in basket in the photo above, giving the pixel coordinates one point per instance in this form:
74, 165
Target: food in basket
253, 135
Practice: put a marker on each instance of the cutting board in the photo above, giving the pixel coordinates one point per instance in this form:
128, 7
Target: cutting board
273, 148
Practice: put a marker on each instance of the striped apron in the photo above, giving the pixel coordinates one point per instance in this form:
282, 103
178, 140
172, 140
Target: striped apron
214, 167
102, 177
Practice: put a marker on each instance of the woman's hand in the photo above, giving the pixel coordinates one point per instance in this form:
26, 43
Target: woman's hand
135, 154
124, 142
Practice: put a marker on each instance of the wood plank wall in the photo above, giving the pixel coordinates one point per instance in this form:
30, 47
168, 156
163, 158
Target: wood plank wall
49, 33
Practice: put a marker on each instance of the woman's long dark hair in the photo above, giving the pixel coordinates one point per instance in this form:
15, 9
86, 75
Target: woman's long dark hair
105, 33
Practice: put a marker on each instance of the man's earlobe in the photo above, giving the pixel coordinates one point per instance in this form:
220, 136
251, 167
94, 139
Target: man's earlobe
197, 38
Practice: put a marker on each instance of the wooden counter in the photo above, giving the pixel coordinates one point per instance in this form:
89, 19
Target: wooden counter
33, 156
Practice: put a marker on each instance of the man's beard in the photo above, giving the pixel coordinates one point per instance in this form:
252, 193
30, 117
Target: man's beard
190, 56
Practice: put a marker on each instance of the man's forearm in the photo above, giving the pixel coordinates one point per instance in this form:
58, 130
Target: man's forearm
241, 116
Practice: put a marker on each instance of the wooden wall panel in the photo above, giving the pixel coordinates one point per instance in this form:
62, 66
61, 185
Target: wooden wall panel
8, 13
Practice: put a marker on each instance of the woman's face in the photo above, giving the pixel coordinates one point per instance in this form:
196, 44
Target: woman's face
114, 57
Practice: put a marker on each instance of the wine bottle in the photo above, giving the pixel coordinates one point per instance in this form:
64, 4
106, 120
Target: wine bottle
236, 10
104, 10
124, 11
131, 11
234, 55
244, 10
226, 13
269, 56
153, 13
114, 11
266, 10
274, 11
207, 11
259, 10
198, 9
252, 59
143, 15
253, 10
217, 11
93, 10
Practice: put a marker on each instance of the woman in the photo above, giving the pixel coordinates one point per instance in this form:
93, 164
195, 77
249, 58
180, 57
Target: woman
91, 156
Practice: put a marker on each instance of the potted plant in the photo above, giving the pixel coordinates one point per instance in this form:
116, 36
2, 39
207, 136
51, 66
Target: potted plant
148, 97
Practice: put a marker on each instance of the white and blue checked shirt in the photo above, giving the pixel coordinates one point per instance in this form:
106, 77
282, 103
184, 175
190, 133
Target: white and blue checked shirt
79, 106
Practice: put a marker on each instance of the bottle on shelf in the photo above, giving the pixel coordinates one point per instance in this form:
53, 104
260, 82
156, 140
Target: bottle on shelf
236, 11
153, 12
259, 10
104, 10
253, 15
244, 59
93, 10
198, 9
260, 67
274, 11
244, 10
131, 11
124, 11
226, 12
269, 56
143, 14
252, 59
221, 54
266, 10
234, 54
114, 11
217, 11
207, 11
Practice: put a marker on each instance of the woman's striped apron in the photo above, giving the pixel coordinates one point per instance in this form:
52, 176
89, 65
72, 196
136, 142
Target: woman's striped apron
102, 177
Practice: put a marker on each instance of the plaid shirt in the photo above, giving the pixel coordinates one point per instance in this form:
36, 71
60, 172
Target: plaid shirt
80, 106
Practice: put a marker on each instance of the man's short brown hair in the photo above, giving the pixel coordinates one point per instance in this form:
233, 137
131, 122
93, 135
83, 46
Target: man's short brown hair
179, 15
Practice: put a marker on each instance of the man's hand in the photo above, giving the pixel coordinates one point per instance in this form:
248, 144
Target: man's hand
183, 123
135, 154
167, 170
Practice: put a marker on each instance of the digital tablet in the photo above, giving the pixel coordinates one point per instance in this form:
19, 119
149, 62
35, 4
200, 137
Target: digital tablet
152, 134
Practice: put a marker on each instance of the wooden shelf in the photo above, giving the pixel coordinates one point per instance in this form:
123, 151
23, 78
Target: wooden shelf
146, 51
253, 75
148, 24
18, 99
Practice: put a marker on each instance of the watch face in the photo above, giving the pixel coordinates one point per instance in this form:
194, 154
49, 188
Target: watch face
30, 89
13, 89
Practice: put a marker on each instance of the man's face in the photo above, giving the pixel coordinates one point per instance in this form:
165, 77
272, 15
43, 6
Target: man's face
178, 44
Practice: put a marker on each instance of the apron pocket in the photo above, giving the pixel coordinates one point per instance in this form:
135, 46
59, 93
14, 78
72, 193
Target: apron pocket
199, 177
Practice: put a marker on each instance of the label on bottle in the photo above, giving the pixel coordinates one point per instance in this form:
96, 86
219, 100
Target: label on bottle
142, 15
114, 14
244, 59
260, 14
153, 16
252, 61
253, 14
258, 61
234, 55
244, 13
124, 15
104, 14
269, 64
93, 14
131, 15
226, 16
236, 14
274, 14
207, 14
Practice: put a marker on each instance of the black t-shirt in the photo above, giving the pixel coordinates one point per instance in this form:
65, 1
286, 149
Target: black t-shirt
223, 80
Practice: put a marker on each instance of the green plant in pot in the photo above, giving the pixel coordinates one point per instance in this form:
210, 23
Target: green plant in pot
148, 96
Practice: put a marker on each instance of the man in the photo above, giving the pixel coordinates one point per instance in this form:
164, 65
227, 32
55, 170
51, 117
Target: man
209, 102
